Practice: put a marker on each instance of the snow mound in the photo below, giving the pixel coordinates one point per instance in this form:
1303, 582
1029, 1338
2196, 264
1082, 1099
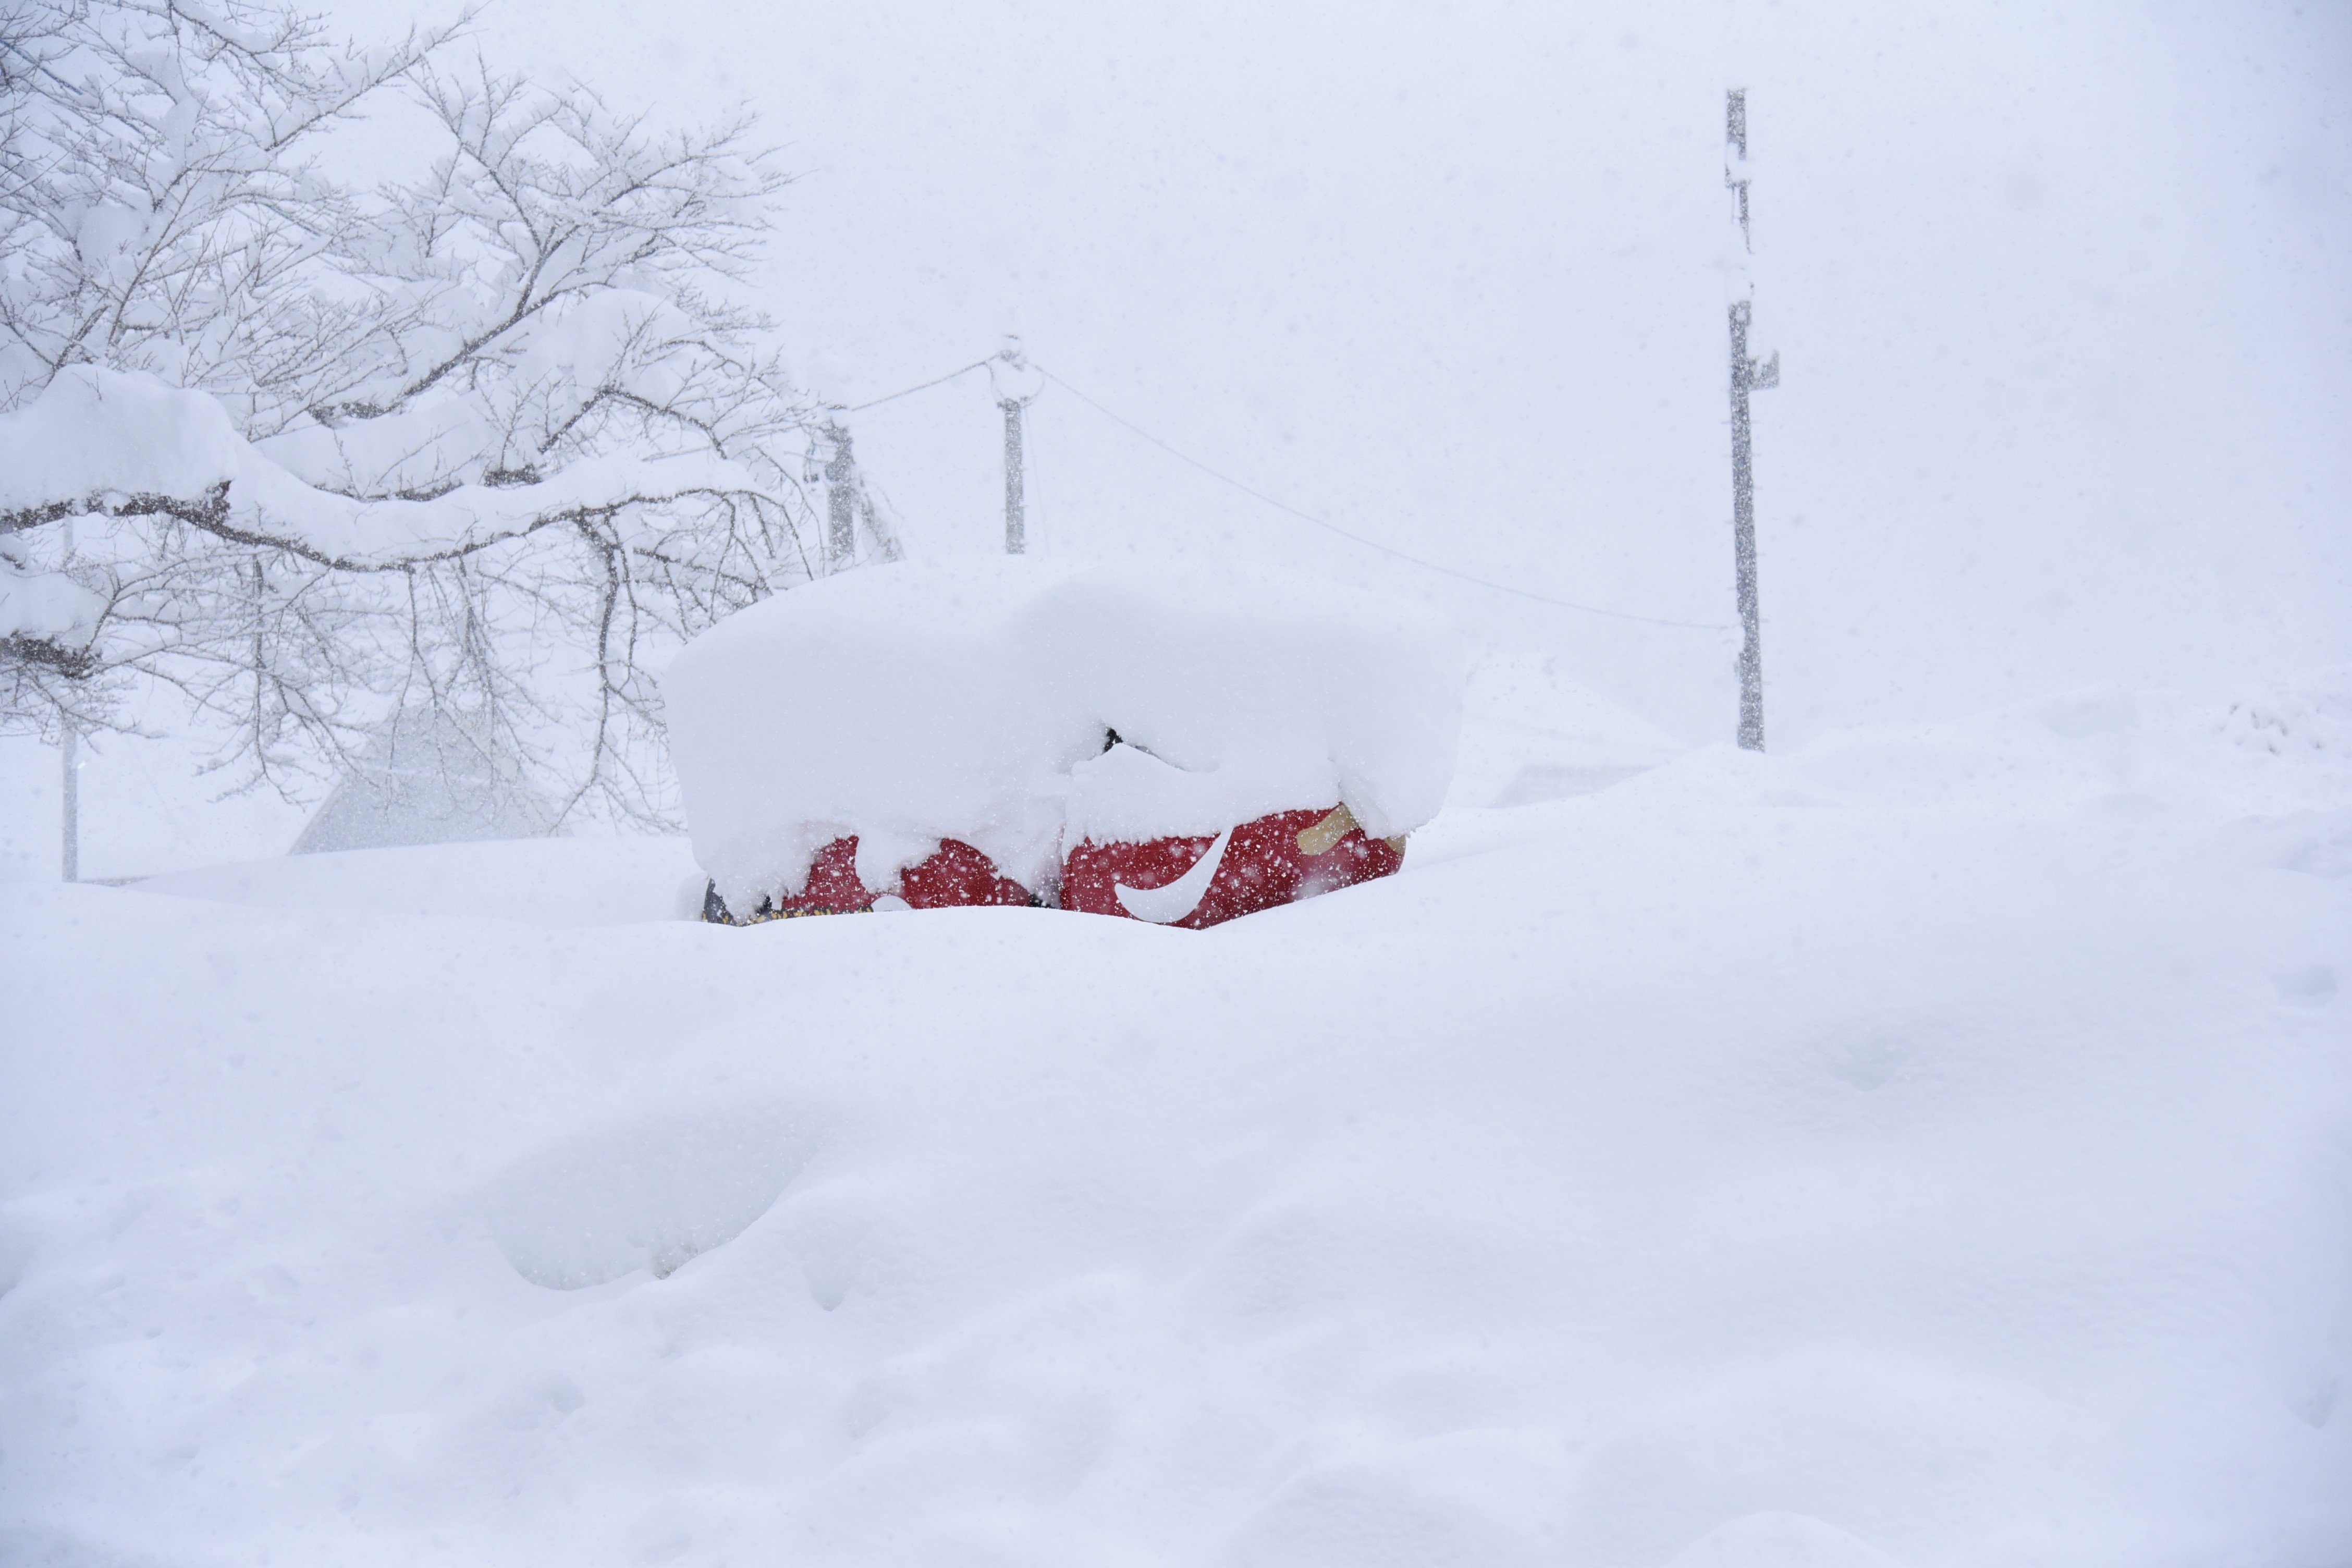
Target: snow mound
2274, 752
1530, 733
645, 1197
427, 778
1781, 1540
2267, 753
1022, 706
551, 882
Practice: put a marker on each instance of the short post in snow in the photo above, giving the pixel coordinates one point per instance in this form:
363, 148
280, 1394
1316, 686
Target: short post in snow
69, 794
1016, 382
840, 500
1747, 375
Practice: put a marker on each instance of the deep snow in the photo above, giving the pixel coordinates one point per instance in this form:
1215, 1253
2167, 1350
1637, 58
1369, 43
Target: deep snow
1024, 707
1932, 1146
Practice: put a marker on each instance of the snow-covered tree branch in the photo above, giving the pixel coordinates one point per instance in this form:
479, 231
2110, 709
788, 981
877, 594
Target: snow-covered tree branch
481, 442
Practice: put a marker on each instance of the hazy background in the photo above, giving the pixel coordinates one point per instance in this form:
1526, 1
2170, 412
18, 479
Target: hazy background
2061, 299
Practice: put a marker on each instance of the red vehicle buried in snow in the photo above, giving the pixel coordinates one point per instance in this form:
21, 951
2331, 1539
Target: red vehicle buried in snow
1199, 881
954, 874
938, 736
1192, 882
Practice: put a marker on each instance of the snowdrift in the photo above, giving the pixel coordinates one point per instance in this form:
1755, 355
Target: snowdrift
1025, 709
1531, 733
1933, 1148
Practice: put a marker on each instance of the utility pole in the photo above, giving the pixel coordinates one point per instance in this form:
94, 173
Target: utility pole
840, 501
1016, 520
1016, 382
1747, 375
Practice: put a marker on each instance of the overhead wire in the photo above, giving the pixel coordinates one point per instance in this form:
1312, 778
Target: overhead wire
911, 391
1307, 517
1285, 507
1039, 536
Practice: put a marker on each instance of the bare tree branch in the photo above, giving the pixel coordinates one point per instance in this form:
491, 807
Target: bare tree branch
546, 293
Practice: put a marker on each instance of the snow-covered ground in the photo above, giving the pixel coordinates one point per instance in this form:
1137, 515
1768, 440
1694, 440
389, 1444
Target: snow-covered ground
1932, 1147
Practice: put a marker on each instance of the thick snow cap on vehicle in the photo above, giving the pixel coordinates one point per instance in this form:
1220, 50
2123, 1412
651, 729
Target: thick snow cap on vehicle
977, 701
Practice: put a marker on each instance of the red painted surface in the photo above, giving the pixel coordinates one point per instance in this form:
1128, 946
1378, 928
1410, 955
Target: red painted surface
1263, 867
832, 884
955, 874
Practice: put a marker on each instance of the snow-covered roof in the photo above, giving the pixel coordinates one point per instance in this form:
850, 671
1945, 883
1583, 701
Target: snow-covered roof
426, 777
975, 700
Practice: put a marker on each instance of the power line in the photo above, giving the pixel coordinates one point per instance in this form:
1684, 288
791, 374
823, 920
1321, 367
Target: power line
1358, 538
911, 391
1288, 509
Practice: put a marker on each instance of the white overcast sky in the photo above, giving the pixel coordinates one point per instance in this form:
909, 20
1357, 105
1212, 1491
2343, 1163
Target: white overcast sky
2061, 303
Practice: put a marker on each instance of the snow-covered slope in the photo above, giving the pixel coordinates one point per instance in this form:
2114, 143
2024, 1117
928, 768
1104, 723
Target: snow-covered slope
1530, 733
1762, 1161
542, 881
